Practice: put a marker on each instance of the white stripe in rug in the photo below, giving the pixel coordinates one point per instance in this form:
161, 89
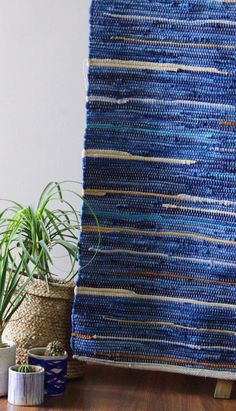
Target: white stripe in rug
177, 197
123, 155
111, 100
148, 65
152, 41
200, 210
110, 292
172, 21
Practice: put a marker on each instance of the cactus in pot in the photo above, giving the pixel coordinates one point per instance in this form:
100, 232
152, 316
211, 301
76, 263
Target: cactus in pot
55, 349
26, 368
53, 359
26, 385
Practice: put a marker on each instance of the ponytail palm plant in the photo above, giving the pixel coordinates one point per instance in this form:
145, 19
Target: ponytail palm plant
12, 287
37, 232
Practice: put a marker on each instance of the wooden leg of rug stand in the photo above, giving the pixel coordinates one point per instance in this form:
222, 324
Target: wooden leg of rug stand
223, 389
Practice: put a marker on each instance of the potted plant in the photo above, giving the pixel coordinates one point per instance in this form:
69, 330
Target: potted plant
12, 294
53, 359
37, 232
26, 385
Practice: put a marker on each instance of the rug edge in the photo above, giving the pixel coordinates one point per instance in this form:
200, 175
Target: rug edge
198, 372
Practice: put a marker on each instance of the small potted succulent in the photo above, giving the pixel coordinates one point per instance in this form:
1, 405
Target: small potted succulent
26, 385
53, 359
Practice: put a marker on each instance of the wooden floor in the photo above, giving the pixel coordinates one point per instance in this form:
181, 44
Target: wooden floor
115, 389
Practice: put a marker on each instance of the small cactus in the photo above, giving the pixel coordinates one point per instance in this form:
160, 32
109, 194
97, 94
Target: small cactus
25, 369
54, 349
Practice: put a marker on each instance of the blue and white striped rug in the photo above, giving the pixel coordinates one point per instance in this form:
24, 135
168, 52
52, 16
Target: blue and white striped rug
160, 172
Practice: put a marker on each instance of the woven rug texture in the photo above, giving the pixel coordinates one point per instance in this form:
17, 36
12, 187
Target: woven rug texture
160, 174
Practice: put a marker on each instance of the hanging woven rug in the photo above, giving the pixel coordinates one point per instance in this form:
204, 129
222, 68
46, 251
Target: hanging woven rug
160, 174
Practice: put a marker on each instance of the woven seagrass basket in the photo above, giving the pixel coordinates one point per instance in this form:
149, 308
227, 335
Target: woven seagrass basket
44, 315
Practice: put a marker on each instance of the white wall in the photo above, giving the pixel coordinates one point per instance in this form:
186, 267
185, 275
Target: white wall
43, 52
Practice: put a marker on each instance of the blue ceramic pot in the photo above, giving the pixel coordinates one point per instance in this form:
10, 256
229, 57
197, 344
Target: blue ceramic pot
55, 370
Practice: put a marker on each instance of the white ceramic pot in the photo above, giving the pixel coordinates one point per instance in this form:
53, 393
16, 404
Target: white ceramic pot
26, 388
7, 359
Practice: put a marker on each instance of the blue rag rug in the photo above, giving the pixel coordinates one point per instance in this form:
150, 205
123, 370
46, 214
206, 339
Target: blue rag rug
160, 173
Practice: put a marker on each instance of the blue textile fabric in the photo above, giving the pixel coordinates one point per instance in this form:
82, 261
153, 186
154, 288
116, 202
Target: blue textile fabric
160, 173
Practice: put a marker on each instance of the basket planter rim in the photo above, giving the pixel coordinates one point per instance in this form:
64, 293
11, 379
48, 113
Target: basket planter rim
35, 353
54, 290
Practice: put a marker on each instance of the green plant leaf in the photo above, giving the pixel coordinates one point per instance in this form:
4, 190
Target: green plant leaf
32, 233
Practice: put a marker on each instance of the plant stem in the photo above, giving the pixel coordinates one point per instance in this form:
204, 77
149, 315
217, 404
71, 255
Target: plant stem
1, 332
